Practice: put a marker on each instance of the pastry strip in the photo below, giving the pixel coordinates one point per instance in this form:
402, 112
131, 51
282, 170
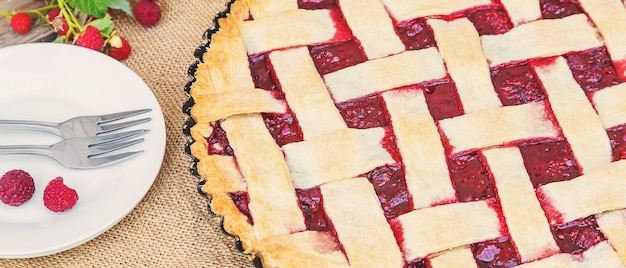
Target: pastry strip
600, 255
610, 18
465, 223
403, 10
228, 51
264, 8
613, 227
212, 107
505, 124
541, 38
319, 249
343, 154
262, 164
459, 44
458, 257
525, 219
595, 192
362, 229
371, 25
522, 11
426, 169
611, 105
306, 93
220, 174
406, 68
589, 141
290, 28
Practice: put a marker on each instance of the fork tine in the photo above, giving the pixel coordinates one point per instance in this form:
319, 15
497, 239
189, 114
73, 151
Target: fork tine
117, 116
110, 147
118, 126
111, 159
99, 140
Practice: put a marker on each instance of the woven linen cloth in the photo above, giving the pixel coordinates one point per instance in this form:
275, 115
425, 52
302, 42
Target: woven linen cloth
171, 226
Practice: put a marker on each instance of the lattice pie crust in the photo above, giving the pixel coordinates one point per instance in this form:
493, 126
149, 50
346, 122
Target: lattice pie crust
416, 133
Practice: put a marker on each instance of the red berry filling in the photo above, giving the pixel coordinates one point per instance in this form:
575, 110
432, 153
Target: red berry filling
417, 264
241, 201
335, 56
390, 186
556, 9
498, 252
443, 100
416, 34
317, 4
218, 142
262, 72
312, 205
471, 178
577, 236
490, 21
593, 69
617, 135
366, 112
516, 85
549, 161
283, 127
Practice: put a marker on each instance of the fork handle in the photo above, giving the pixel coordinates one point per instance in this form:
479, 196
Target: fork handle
26, 149
30, 125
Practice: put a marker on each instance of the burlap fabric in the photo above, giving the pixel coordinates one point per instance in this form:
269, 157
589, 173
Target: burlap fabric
171, 227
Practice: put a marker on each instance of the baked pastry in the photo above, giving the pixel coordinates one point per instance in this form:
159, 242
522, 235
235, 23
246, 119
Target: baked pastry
415, 133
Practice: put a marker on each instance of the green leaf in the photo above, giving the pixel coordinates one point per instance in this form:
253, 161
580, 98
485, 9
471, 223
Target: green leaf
96, 8
123, 5
104, 25
59, 39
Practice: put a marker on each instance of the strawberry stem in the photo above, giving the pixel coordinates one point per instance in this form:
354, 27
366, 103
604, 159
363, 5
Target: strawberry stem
74, 26
6, 14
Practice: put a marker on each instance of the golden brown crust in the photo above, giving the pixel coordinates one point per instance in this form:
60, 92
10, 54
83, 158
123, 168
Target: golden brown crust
221, 174
234, 222
227, 51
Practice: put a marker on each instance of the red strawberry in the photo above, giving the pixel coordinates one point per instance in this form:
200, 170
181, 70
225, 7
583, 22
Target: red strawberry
16, 187
21, 23
90, 38
147, 12
120, 48
57, 22
58, 197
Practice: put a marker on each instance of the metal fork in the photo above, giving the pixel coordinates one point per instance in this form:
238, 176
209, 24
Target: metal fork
82, 126
85, 152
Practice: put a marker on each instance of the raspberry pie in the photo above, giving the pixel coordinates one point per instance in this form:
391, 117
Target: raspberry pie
415, 133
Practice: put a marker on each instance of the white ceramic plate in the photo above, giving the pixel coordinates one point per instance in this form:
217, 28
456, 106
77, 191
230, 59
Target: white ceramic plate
54, 82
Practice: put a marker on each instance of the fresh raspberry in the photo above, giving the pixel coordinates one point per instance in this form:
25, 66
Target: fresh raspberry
21, 23
90, 38
58, 197
120, 48
16, 187
57, 22
147, 12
